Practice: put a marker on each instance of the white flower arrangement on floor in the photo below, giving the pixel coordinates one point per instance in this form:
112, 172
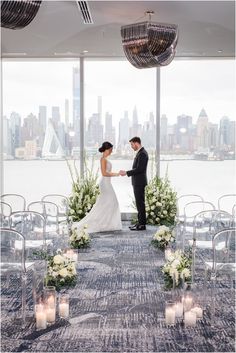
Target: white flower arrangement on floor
163, 237
161, 202
177, 268
84, 193
61, 270
79, 238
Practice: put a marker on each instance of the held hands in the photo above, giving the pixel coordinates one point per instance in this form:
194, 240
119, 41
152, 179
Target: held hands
122, 172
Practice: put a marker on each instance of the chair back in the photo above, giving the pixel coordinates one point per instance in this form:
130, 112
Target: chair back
183, 200
12, 251
16, 201
226, 202
191, 209
61, 201
224, 250
5, 212
32, 225
207, 223
50, 212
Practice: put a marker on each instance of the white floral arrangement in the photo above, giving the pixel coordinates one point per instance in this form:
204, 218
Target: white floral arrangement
79, 238
177, 269
61, 270
161, 202
163, 237
84, 193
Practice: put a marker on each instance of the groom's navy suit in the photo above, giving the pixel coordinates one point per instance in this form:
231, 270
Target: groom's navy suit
139, 181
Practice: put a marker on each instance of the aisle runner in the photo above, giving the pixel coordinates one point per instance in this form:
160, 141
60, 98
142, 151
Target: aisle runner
118, 305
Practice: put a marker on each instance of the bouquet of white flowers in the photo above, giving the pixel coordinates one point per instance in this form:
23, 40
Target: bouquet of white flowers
84, 193
161, 202
163, 237
177, 268
79, 238
61, 270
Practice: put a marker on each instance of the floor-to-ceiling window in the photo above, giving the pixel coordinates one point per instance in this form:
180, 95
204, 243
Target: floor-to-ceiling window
198, 126
40, 126
119, 104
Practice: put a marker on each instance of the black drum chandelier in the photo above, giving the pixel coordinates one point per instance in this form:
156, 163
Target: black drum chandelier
18, 14
149, 44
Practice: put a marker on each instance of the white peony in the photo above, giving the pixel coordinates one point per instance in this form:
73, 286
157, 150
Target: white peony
63, 272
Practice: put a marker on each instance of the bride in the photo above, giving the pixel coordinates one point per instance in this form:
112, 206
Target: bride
105, 214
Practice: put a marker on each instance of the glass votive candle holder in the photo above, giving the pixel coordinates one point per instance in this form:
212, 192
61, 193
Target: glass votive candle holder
179, 309
190, 318
71, 254
40, 316
64, 306
188, 302
50, 303
198, 310
170, 313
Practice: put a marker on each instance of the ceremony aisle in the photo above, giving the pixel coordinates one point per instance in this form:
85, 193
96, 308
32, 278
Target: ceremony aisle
118, 305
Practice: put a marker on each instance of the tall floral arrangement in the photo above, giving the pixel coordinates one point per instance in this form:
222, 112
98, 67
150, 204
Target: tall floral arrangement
161, 202
84, 192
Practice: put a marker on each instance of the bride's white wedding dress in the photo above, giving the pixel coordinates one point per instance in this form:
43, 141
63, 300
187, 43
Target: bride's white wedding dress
105, 214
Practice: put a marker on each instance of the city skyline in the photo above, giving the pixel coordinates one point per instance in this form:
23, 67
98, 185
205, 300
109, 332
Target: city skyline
33, 85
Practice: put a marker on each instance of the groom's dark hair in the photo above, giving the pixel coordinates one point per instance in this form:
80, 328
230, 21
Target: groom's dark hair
135, 139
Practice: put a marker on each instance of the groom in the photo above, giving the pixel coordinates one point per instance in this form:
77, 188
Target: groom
138, 175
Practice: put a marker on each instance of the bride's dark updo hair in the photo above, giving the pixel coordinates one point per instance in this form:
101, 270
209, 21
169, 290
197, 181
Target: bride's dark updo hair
105, 146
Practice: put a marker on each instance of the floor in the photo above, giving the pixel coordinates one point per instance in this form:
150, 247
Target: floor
118, 306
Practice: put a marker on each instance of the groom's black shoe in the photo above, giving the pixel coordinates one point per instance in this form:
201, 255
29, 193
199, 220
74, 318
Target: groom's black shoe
133, 226
139, 227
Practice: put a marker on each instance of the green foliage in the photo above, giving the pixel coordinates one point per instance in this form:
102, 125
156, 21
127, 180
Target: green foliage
161, 202
84, 193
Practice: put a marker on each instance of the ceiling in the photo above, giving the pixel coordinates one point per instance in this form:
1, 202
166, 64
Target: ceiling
206, 29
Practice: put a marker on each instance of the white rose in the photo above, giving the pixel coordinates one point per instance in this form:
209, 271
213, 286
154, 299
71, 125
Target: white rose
185, 273
63, 272
58, 259
165, 212
175, 263
152, 207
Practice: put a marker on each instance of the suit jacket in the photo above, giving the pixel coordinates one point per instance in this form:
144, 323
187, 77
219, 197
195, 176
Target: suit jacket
138, 172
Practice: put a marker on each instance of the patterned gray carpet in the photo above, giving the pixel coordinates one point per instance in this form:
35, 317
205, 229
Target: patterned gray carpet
118, 306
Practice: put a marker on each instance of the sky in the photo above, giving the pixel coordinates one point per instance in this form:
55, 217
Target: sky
186, 88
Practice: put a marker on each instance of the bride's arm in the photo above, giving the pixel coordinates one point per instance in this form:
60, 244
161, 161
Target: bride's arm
103, 169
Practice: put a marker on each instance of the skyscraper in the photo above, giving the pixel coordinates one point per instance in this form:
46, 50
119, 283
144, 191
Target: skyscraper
224, 131
15, 126
202, 131
76, 105
109, 129
42, 117
124, 126
56, 115
163, 132
66, 115
100, 109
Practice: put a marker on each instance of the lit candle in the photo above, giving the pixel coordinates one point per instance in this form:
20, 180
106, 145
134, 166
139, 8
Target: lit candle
199, 312
190, 318
168, 252
170, 315
188, 303
51, 301
71, 254
179, 308
51, 314
64, 310
40, 315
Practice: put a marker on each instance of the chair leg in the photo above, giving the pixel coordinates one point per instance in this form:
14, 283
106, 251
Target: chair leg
213, 299
24, 283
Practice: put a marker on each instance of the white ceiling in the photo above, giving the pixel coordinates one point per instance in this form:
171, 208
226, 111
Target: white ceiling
206, 28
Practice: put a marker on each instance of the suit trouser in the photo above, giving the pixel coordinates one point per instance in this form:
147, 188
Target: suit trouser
139, 194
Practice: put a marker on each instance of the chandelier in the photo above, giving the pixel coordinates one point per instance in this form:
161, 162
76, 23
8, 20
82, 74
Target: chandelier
149, 44
18, 14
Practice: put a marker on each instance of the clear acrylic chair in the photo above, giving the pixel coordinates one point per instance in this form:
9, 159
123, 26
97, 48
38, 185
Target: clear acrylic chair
226, 202
50, 212
16, 201
5, 212
13, 261
191, 209
233, 223
33, 227
205, 225
181, 203
222, 263
62, 203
